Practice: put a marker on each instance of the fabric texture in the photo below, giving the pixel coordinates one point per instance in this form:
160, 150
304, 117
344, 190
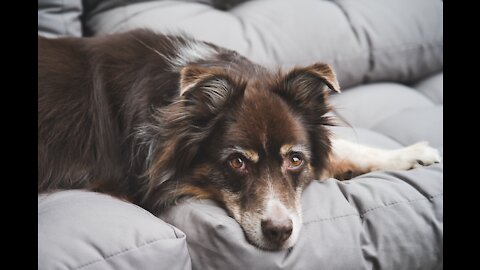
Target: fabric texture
432, 87
403, 113
87, 230
60, 18
365, 41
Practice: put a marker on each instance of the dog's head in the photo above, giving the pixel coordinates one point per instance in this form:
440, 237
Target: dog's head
250, 140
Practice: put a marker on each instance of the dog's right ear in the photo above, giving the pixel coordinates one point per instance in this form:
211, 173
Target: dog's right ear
207, 90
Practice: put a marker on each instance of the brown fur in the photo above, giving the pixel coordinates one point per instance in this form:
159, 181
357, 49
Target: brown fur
342, 169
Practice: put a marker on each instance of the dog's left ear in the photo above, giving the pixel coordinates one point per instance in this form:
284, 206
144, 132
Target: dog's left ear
319, 72
306, 88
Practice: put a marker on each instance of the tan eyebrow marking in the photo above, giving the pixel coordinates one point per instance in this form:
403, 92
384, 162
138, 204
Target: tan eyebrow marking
301, 148
249, 154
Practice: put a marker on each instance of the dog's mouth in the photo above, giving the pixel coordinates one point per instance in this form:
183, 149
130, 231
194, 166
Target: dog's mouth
275, 227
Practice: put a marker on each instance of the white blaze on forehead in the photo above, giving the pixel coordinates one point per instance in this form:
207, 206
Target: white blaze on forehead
276, 210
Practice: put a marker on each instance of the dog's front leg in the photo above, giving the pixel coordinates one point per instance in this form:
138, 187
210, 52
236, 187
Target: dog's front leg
349, 159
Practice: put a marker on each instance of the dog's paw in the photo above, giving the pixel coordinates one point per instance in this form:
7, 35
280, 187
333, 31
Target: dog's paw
416, 155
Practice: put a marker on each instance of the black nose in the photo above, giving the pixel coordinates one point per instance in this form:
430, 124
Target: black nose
277, 231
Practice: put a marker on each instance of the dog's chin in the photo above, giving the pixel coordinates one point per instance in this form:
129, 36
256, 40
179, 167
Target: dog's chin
264, 244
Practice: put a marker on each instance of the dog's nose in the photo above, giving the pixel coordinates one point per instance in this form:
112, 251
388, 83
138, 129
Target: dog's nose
277, 231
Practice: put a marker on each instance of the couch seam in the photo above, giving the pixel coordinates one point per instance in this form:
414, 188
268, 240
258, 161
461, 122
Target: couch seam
427, 96
123, 251
430, 198
64, 23
349, 19
381, 49
362, 214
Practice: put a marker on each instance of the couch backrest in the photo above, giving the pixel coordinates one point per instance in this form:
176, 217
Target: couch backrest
365, 40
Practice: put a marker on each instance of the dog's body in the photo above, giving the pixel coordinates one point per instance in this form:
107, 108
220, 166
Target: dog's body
154, 118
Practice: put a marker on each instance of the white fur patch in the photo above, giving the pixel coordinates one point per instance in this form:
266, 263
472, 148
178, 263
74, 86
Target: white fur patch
365, 158
413, 156
276, 210
189, 52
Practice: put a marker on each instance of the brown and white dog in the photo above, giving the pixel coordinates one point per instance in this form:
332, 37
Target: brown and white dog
155, 118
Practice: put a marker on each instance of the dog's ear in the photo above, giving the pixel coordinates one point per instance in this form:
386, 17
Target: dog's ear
306, 89
207, 90
325, 73
183, 125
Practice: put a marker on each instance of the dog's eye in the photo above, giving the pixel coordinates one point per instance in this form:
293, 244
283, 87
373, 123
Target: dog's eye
237, 163
295, 161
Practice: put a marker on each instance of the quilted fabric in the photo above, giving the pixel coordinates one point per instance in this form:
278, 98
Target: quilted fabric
58, 18
407, 114
365, 41
87, 230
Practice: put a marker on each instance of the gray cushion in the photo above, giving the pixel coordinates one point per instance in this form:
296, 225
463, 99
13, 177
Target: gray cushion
365, 137
366, 41
432, 87
381, 220
404, 37
418, 124
60, 18
402, 113
87, 230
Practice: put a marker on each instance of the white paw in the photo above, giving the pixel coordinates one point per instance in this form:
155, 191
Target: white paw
413, 156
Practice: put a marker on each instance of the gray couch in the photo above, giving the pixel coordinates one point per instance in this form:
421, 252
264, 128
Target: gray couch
388, 55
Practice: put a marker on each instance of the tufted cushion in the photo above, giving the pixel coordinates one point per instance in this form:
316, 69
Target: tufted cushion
60, 18
87, 230
432, 87
366, 41
405, 114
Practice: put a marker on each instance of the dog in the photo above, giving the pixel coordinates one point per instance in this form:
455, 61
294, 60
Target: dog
155, 118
